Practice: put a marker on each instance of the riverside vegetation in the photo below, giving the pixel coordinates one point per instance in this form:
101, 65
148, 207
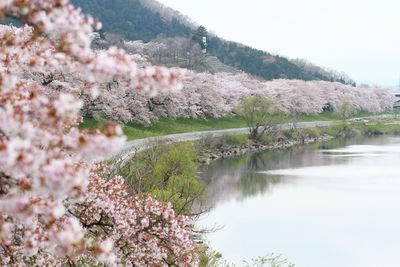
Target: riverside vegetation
168, 172
238, 144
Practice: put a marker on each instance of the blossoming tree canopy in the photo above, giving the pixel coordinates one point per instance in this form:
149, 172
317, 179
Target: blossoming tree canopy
217, 95
47, 214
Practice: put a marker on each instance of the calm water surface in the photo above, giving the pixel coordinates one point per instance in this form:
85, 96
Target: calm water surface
332, 204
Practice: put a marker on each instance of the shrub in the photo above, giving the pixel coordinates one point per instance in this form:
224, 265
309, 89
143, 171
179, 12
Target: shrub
372, 130
168, 173
236, 139
268, 139
313, 132
345, 110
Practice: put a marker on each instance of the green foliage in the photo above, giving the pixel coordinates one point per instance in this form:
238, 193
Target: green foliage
198, 36
332, 131
93, 124
236, 139
258, 62
290, 134
323, 116
294, 134
345, 110
313, 132
171, 126
260, 115
132, 20
168, 173
209, 257
268, 139
209, 142
342, 130
379, 128
346, 130
372, 130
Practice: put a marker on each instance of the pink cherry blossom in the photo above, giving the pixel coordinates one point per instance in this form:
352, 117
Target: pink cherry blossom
50, 193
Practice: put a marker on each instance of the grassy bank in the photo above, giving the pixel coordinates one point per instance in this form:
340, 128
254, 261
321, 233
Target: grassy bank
183, 125
171, 126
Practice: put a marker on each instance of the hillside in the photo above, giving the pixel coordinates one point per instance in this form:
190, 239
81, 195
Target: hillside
132, 20
147, 20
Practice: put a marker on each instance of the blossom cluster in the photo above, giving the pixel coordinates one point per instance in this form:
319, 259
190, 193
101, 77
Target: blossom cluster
46, 161
218, 95
143, 231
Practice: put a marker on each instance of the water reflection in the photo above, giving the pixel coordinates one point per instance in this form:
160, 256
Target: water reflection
243, 177
330, 204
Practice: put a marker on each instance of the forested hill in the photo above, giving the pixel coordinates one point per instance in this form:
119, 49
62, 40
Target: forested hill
132, 20
147, 19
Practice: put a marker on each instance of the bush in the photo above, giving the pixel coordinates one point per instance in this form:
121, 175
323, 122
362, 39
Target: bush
313, 132
380, 128
236, 139
168, 173
294, 134
372, 130
209, 257
209, 142
345, 110
268, 139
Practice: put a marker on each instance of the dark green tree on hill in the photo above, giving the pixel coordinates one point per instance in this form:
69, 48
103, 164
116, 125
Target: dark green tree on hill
132, 20
198, 36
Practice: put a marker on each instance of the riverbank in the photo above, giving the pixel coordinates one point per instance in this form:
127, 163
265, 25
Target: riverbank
233, 145
228, 151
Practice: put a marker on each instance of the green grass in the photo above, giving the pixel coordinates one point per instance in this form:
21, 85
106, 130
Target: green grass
329, 116
324, 116
170, 126
183, 125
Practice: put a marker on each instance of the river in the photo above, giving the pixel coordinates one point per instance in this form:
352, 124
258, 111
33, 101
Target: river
329, 204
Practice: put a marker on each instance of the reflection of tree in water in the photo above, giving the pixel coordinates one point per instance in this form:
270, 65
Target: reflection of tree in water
257, 183
243, 177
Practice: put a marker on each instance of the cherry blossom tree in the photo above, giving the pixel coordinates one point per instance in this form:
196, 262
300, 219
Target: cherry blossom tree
218, 95
54, 207
145, 232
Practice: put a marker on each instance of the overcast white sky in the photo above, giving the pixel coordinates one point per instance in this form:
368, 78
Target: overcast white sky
359, 37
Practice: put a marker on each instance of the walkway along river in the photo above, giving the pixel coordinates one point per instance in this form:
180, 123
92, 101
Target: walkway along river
132, 147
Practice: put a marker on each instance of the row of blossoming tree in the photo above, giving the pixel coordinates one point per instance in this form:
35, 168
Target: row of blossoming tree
55, 207
203, 94
218, 95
